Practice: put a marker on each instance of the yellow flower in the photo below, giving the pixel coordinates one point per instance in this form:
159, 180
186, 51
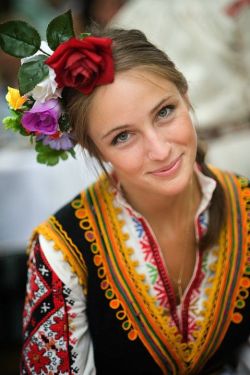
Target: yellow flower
14, 98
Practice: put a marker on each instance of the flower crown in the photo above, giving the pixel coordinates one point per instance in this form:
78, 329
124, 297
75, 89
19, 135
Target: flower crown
36, 108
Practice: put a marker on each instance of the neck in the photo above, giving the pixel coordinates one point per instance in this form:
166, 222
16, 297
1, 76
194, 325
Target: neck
168, 211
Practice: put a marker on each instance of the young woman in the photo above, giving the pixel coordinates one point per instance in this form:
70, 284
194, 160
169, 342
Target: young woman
148, 270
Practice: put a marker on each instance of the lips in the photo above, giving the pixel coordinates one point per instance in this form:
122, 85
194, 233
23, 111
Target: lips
167, 167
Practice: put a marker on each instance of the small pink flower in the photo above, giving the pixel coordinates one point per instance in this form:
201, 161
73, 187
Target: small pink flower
42, 118
63, 142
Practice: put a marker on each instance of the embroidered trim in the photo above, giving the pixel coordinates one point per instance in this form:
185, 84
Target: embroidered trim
162, 272
228, 269
89, 234
89, 226
163, 341
240, 186
129, 286
46, 338
53, 231
244, 283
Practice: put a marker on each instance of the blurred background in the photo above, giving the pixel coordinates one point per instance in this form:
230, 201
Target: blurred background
210, 43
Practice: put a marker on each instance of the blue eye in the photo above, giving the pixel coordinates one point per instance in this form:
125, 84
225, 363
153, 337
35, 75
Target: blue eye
165, 111
121, 138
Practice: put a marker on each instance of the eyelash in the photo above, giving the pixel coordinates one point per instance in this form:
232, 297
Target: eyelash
170, 109
115, 141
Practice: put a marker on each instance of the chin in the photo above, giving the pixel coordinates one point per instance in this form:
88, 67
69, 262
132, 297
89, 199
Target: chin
174, 186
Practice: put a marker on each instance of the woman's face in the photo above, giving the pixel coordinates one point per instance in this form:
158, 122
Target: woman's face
141, 125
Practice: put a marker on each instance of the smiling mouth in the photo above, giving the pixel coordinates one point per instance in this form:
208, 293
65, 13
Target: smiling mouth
171, 166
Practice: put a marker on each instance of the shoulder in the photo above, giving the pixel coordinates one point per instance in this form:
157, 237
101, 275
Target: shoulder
225, 175
65, 212
83, 199
61, 232
66, 226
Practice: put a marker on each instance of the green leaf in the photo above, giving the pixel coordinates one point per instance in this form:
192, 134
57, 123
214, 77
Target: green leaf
23, 131
72, 153
52, 160
64, 156
11, 123
41, 159
84, 35
59, 30
48, 156
19, 39
16, 114
32, 137
40, 147
14, 123
49, 160
31, 73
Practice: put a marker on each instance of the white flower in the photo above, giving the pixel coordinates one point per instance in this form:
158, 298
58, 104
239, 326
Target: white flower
46, 89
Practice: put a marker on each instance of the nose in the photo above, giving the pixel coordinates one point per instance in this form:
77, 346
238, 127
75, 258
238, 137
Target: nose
158, 148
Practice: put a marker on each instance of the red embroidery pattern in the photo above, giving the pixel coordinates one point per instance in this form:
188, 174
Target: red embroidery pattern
47, 347
38, 359
186, 317
161, 284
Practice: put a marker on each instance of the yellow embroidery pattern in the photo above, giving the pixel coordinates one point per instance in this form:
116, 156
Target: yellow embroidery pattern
53, 231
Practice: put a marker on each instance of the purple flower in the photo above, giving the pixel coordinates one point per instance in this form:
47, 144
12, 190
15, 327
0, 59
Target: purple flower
63, 142
42, 118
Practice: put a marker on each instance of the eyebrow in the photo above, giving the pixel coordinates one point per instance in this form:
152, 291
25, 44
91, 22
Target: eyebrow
125, 126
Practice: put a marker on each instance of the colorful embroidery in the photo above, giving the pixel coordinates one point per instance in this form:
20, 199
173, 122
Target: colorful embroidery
244, 283
225, 272
158, 282
127, 288
151, 265
228, 267
52, 230
46, 337
127, 284
114, 303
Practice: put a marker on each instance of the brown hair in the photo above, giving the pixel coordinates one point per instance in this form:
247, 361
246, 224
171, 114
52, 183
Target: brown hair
131, 50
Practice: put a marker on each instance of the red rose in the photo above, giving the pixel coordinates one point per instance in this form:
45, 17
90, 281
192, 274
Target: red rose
83, 63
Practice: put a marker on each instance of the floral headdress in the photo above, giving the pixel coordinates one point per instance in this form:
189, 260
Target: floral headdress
36, 108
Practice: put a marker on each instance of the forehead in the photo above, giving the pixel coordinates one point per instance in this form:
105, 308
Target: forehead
135, 80
130, 92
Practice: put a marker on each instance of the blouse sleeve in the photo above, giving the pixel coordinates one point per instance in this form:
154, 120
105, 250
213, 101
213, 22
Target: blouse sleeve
244, 360
243, 367
56, 337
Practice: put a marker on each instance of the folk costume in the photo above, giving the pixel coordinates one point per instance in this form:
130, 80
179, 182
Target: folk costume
100, 300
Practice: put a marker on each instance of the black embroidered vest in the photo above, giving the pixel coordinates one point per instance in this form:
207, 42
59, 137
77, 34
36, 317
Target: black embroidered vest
130, 335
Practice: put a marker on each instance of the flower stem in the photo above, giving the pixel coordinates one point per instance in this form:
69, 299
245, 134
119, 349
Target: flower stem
40, 49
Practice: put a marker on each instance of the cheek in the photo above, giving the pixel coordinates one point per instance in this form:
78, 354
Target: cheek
187, 133
129, 161
193, 137
190, 135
